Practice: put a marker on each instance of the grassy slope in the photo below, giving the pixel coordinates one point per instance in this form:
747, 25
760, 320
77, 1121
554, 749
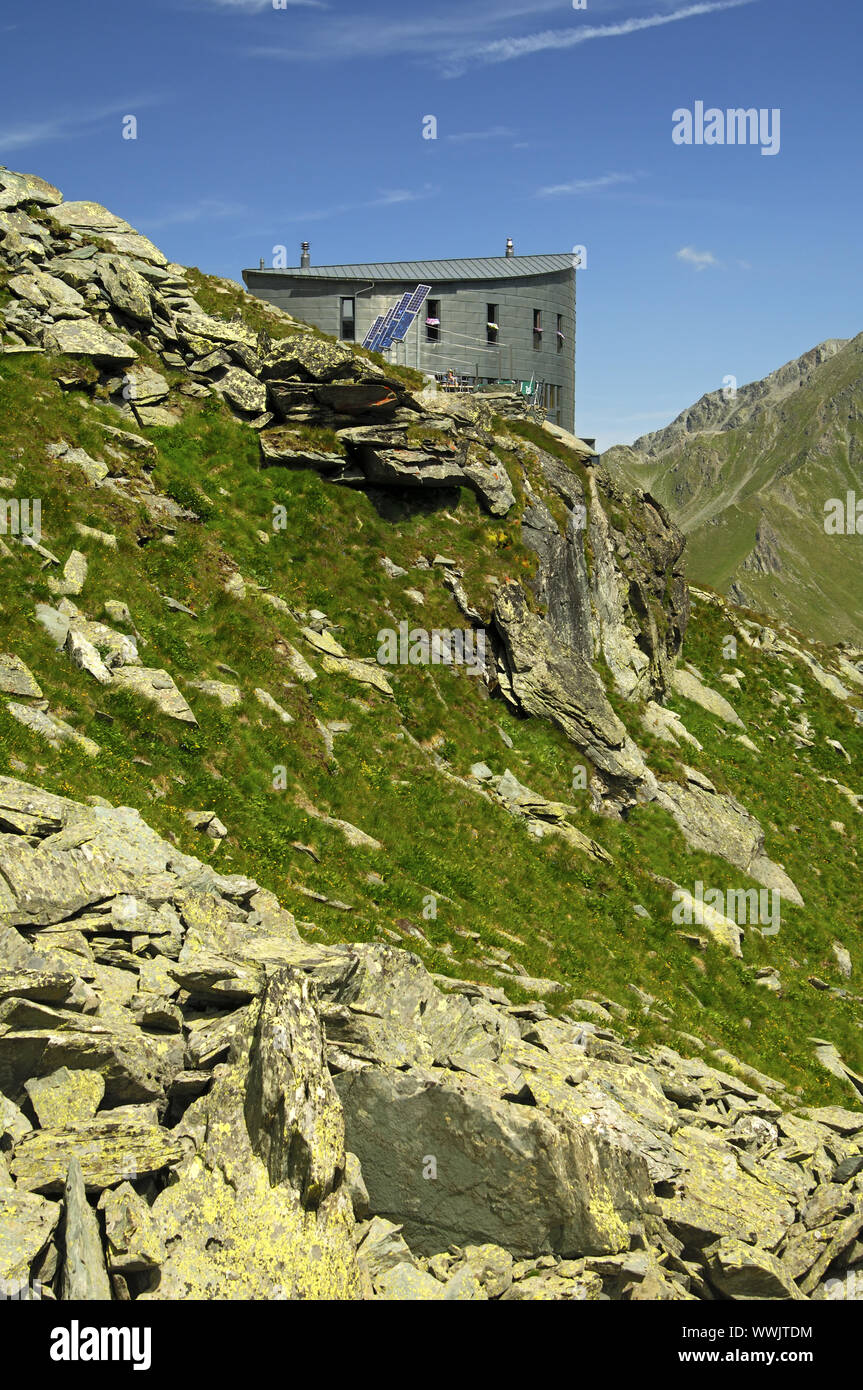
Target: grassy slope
572, 919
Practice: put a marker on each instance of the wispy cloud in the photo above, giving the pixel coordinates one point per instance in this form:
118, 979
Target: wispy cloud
69, 126
213, 209
507, 49
391, 197
252, 6
497, 132
436, 36
596, 185
701, 260
456, 37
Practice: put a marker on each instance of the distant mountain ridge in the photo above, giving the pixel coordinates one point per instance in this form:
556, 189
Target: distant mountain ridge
747, 474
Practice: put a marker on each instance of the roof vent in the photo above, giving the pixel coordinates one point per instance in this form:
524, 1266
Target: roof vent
263, 264
305, 258
510, 249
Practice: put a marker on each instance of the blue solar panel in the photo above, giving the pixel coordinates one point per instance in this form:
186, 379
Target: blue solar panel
373, 331
403, 325
411, 309
378, 342
418, 298
394, 316
391, 327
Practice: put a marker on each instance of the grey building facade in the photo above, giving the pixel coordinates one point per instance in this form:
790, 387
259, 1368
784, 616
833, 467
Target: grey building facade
498, 318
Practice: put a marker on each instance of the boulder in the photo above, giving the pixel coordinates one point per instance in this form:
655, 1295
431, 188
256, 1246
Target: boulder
451, 1162
27, 1223
84, 338
311, 359
691, 688
127, 290
16, 679
65, 1097
54, 731
243, 391
158, 687
559, 684
17, 189
133, 1243
85, 656
741, 1271
248, 1216
108, 1150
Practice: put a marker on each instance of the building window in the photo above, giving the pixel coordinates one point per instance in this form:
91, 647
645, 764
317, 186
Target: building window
432, 320
347, 320
560, 337
491, 326
537, 329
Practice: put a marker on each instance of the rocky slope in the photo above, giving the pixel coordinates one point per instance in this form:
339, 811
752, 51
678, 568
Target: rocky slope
748, 475
234, 511
253, 1116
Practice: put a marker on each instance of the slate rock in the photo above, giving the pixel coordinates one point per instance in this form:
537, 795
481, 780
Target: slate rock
83, 1274
27, 1223
506, 1173
65, 1097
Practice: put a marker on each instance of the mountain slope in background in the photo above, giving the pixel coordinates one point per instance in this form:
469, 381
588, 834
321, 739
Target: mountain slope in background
747, 478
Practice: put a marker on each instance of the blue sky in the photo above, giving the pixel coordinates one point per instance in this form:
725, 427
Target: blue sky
260, 127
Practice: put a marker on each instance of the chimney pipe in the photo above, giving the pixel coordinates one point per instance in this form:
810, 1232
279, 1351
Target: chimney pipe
305, 258
510, 249
263, 264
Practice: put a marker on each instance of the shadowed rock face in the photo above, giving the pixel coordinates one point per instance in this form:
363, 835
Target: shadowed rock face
609, 581
555, 682
640, 597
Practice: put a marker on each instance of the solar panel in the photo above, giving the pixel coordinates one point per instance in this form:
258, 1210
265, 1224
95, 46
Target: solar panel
402, 325
378, 342
418, 298
395, 316
411, 310
373, 331
391, 327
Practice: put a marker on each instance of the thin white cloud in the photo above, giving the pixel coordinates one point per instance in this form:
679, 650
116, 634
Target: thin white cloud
387, 198
465, 137
252, 6
507, 49
587, 185
701, 260
437, 35
211, 208
66, 127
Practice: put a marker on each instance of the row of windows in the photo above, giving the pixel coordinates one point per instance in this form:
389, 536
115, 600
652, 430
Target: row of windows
492, 325
347, 321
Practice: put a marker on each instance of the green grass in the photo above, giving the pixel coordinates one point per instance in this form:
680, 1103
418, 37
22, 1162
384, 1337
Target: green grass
574, 917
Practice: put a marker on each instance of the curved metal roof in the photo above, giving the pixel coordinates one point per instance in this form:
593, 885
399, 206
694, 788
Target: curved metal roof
484, 268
